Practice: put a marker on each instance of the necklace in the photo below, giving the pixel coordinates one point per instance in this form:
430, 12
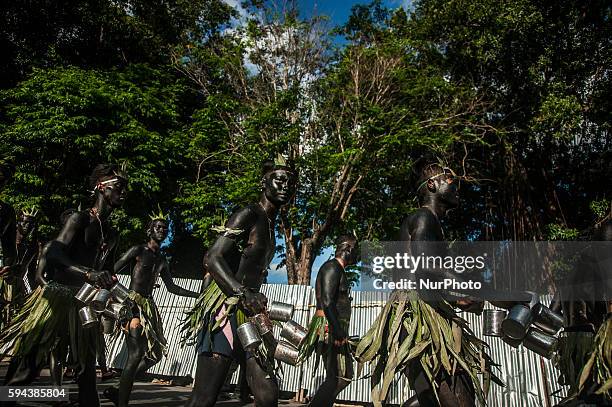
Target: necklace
94, 212
103, 246
270, 223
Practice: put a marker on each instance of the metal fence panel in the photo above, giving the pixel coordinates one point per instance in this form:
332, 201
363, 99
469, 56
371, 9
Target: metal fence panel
521, 370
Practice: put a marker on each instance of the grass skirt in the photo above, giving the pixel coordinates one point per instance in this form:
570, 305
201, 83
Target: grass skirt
211, 312
318, 341
48, 319
12, 297
205, 308
597, 372
152, 326
435, 336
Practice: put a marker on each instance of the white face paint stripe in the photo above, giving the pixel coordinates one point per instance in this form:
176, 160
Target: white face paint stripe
109, 181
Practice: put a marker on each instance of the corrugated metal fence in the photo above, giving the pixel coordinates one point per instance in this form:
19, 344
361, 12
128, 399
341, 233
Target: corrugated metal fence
522, 371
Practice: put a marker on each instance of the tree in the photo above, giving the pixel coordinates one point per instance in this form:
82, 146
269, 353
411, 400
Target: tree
101, 33
60, 122
543, 69
342, 120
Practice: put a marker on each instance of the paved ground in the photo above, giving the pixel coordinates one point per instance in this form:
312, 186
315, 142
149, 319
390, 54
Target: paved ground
144, 394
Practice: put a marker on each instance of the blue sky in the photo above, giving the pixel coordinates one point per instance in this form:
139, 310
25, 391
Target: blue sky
339, 10
279, 275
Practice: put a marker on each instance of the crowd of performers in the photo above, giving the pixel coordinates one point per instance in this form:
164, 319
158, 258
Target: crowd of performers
425, 340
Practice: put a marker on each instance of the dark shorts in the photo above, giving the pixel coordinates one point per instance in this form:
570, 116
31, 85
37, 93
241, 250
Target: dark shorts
218, 342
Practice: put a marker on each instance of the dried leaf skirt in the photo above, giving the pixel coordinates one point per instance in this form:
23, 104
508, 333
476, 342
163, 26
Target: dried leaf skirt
48, 321
318, 341
152, 326
409, 330
210, 313
211, 324
12, 297
586, 363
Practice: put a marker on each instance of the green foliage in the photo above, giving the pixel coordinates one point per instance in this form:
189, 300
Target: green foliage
60, 123
556, 231
102, 33
515, 96
601, 208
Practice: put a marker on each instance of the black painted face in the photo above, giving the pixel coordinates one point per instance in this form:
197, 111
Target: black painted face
279, 186
447, 188
158, 231
115, 192
26, 224
351, 255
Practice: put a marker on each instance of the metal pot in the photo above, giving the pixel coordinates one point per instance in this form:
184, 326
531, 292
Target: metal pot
119, 311
100, 300
249, 336
86, 293
540, 342
108, 324
294, 333
547, 320
512, 342
492, 322
285, 352
516, 324
88, 317
120, 292
263, 323
280, 311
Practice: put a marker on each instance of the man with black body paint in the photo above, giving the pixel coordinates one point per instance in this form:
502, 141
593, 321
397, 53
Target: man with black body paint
238, 261
28, 247
332, 291
438, 194
145, 346
82, 252
20, 277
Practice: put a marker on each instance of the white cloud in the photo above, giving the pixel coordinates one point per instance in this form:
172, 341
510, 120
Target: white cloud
237, 4
276, 274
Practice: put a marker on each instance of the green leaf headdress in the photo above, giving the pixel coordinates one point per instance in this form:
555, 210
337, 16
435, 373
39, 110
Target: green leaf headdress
444, 171
31, 212
160, 215
279, 163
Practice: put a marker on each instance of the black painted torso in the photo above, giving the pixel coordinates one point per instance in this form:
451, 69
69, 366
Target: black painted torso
145, 271
258, 246
330, 274
90, 246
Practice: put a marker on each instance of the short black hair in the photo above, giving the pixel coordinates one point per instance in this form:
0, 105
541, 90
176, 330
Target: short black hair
425, 173
102, 172
343, 241
269, 165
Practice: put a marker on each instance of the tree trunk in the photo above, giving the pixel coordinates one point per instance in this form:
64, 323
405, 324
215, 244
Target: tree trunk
299, 262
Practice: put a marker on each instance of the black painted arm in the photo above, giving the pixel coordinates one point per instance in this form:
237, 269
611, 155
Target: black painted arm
55, 251
127, 258
172, 286
237, 229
